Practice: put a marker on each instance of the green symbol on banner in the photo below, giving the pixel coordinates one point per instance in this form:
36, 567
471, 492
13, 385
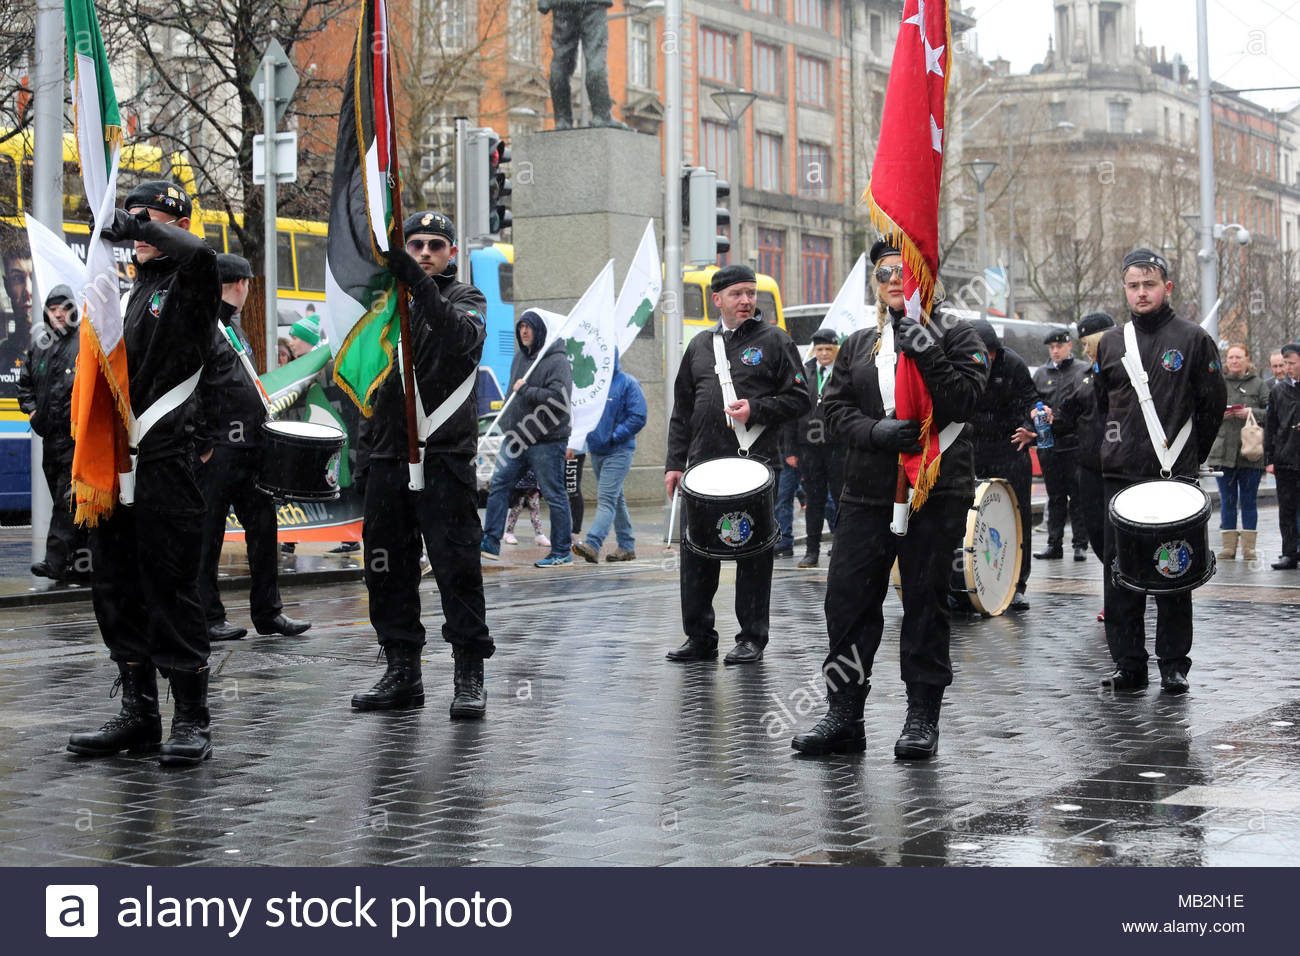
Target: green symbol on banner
642, 314
584, 366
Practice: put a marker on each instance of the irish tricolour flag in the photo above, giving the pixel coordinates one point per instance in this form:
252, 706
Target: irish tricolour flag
101, 399
360, 294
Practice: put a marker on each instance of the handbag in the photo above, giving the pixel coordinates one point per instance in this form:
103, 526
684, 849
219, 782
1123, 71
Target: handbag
1252, 438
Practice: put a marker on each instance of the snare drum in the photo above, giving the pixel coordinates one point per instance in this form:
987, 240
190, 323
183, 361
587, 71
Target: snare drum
984, 580
730, 508
300, 460
1161, 537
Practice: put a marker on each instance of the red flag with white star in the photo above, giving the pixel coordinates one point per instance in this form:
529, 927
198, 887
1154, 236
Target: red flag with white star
903, 198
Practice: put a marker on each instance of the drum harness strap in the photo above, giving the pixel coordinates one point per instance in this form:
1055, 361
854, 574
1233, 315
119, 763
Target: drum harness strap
137, 428
745, 435
426, 425
1132, 362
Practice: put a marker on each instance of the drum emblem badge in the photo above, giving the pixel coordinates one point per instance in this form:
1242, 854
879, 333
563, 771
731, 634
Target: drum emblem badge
332, 470
993, 552
1172, 360
735, 528
752, 356
1173, 558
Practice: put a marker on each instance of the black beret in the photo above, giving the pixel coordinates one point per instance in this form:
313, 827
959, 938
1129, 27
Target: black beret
1095, 322
1290, 347
160, 194
430, 223
730, 275
232, 268
988, 335
881, 248
1056, 335
1145, 257
826, 336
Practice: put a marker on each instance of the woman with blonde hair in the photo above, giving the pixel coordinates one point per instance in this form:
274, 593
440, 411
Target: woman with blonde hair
1239, 485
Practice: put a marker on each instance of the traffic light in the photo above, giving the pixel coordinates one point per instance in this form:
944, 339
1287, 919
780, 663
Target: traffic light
476, 171
498, 186
705, 194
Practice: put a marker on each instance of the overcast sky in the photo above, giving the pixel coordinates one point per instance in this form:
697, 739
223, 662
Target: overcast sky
1252, 42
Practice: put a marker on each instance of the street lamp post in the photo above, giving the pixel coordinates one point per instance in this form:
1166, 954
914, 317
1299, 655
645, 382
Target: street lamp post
981, 170
734, 104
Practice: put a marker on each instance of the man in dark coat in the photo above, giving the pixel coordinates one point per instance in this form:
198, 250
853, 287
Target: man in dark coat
145, 556
229, 442
819, 455
1186, 384
447, 328
770, 391
45, 394
1055, 382
1282, 454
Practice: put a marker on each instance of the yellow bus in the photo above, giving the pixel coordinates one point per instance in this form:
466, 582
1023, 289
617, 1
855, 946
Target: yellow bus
699, 312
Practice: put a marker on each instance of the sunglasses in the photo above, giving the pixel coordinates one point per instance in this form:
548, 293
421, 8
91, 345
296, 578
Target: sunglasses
433, 245
883, 273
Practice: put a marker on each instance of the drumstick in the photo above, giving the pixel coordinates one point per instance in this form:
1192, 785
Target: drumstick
672, 515
238, 346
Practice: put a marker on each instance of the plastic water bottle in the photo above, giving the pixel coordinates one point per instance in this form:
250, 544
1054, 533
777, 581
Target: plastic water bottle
1043, 427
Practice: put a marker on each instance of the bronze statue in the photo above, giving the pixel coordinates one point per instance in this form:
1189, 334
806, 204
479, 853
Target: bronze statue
574, 22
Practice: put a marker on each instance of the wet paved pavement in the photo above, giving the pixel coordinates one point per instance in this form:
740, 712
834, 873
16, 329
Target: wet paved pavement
598, 751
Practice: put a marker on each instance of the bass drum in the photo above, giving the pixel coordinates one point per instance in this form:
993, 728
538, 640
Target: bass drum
984, 580
1161, 537
729, 508
300, 460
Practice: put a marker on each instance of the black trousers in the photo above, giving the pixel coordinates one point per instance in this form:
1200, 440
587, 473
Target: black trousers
445, 515
145, 571
822, 470
66, 546
699, 584
864, 552
1061, 476
1096, 507
1125, 612
229, 479
1288, 499
1017, 471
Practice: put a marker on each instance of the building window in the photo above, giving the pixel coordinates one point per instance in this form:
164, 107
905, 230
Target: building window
717, 55
639, 46
1118, 117
811, 13
813, 75
766, 6
1056, 113
525, 32
767, 163
767, 70
771, 253
814, 173
876, 28
452, 24
816, 269
713, 147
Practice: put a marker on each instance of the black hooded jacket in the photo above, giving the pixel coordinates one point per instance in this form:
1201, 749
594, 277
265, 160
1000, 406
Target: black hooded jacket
45, 384
447, 325
542, 412
1186, 382
1282, 426
1004, 406
956, 374
1055, 385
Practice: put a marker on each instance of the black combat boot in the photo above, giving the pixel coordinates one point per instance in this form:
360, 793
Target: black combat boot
191, 738
137, 728
401, 686
471, 699
841, 731
920, 739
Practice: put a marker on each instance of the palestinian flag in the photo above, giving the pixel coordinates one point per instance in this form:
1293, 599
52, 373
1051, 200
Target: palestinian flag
101, 398
360, 294
903, 198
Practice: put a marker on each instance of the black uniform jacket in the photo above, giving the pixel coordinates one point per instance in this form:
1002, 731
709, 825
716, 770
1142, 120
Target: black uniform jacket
1281, 438
1182, 365
1004, 406
230, 407
1054, 386
168, 328
956, 372
448, 328
810, 427
765, 369
45, 383
1079, 418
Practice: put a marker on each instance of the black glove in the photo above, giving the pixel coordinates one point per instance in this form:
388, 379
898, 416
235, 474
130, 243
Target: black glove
125, 225
404, 267
892, 434
915, 340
